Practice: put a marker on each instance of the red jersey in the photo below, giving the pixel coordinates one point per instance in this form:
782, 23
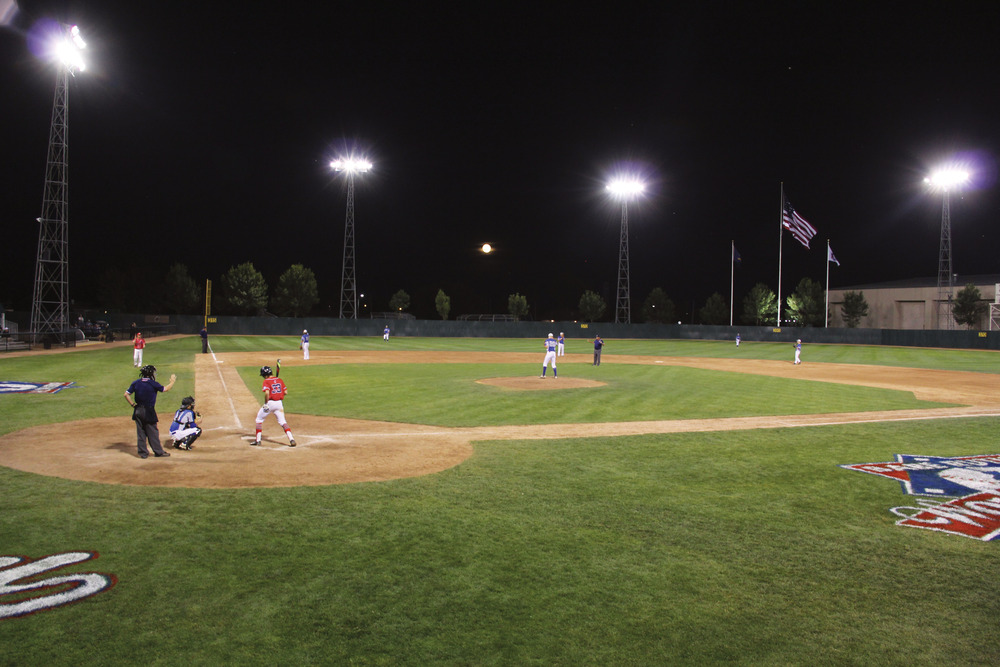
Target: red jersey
275, 388
140, 343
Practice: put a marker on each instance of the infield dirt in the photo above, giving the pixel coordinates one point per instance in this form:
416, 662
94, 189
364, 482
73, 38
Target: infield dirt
337, 451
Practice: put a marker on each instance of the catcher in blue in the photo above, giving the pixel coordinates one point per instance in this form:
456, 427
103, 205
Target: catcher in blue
184, 429
550, 356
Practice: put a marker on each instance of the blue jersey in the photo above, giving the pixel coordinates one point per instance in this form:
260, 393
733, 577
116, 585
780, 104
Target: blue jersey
183, 418
550, 344
305, 338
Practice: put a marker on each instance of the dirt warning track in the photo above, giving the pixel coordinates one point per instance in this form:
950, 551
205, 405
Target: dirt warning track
336, 451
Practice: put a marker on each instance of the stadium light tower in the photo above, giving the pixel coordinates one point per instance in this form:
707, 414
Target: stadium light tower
945, 181
348, 285
50, 297
624, 190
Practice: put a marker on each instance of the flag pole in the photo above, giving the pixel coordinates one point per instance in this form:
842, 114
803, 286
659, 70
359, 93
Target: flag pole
732, 277
826, 311
781, 236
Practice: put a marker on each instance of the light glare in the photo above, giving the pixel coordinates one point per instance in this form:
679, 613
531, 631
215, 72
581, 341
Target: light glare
351, 165
947, 179
624, 188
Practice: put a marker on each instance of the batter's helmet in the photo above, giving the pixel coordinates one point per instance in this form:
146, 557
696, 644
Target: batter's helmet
187, 401
148, 371
265, 372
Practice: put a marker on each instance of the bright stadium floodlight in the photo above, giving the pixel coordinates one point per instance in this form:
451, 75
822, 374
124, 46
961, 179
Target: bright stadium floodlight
351, 165
67, 50
624, 189
348, 286
946, 180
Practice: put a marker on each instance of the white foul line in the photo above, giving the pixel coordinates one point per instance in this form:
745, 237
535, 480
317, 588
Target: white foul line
229, 398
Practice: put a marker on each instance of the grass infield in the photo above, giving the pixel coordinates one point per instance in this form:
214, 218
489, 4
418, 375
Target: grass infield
749, 547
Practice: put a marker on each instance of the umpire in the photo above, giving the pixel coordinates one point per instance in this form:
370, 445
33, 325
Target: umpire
144, 391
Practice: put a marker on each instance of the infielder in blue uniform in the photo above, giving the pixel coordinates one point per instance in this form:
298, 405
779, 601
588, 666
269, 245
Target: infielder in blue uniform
304, 344
561, 352
550, 356
798, 351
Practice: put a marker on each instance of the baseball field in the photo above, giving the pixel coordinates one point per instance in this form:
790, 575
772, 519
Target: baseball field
683, 503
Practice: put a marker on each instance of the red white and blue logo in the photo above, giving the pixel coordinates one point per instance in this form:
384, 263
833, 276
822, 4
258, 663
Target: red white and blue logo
32, 387
968, 485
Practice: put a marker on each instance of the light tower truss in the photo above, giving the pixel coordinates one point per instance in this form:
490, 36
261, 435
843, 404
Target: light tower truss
348, 286
623, 314
50, 298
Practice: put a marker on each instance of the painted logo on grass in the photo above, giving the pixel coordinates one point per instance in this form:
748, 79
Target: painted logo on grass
32, 387
34, 594
969, 487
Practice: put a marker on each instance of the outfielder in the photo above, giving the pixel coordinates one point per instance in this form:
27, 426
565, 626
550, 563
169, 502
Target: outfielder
138, 343
550, 356
562, 345
274, 391
385, 333
304, 345
184, 429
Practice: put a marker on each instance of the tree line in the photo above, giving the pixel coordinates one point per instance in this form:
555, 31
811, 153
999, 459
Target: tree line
244, 291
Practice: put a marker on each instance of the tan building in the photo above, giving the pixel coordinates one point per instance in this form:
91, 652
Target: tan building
915, 304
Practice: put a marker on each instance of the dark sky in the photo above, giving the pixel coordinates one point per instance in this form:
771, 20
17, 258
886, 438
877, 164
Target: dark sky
201, 133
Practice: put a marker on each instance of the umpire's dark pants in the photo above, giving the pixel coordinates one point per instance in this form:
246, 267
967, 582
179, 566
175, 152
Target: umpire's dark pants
146, 431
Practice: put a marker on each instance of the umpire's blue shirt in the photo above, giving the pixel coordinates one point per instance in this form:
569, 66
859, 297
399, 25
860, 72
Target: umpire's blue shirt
144, 390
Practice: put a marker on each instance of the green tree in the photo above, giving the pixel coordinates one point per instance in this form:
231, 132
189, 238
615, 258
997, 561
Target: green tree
244, 289
296, 292
179, 291
517, 306
806, 304
442, 302
760, 305
592, 306
854, 308
968, 307
399, 302
658, 307
714, 311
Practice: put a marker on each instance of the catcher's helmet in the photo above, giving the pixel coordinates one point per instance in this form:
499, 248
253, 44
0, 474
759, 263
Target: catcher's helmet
265, 372
148, 371
187, 401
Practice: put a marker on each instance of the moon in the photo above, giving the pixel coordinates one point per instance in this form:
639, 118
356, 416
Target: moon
487, 248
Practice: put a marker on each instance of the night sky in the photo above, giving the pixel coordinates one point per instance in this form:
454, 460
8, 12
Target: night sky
202, 132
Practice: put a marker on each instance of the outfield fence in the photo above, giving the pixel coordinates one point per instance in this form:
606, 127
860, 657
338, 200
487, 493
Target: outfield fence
319, 326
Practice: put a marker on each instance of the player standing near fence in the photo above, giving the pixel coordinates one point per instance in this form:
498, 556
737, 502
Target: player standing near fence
138, 343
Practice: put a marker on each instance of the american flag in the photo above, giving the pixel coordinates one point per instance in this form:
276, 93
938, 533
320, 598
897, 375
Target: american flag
797, 225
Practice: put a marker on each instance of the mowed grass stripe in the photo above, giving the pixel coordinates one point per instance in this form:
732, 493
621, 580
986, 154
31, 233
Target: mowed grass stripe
448, 394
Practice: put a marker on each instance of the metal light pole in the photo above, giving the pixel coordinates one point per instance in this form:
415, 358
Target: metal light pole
348, 285
624, 190
50, 297
944, 181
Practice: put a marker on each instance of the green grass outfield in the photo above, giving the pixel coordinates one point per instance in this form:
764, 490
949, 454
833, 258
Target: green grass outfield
746, 547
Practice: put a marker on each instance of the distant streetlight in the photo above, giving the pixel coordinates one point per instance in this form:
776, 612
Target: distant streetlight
945, 181
348, 288
50, 298
624, 189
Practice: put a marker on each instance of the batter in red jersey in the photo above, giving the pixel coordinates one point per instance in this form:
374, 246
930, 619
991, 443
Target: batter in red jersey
274, 392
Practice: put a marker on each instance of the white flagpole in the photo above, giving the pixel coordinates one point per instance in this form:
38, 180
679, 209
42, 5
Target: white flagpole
781, 236
826, 312
732, 276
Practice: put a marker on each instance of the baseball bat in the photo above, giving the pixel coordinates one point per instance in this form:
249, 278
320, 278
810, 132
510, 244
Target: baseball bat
278, 374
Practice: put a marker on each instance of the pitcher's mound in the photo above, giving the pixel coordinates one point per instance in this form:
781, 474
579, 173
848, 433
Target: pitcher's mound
537, 383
